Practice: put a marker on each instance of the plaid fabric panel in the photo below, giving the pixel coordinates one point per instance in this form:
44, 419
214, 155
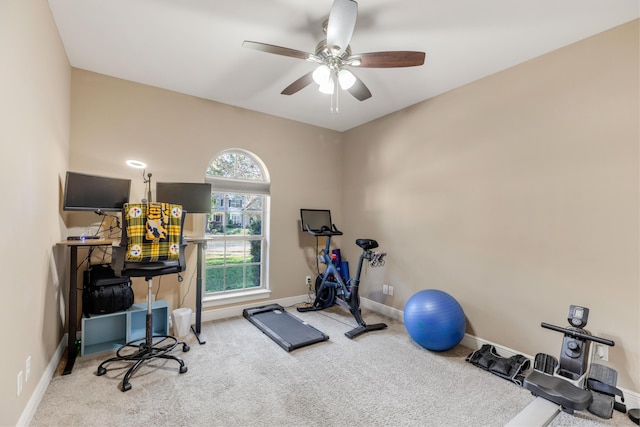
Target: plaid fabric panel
153, 230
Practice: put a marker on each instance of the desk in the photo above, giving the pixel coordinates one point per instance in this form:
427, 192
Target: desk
72, 315
200, 242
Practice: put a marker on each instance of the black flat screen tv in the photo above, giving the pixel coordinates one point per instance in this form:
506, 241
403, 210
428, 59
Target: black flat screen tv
194, 197
84, 192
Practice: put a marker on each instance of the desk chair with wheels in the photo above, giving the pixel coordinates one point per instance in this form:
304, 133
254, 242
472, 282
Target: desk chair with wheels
151, 245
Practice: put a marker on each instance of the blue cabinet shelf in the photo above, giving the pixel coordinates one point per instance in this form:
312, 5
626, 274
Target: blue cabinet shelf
107, 332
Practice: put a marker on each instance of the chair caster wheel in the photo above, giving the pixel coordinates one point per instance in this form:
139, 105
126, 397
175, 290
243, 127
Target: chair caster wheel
126, 387
101, 371
183, 369
185, 348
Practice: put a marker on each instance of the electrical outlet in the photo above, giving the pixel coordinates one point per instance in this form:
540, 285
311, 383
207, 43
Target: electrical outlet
27, 369
307, 280
390, 290
602, 352
19, 383
385, 289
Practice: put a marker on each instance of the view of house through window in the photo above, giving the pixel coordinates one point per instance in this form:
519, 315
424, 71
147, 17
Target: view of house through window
237, 253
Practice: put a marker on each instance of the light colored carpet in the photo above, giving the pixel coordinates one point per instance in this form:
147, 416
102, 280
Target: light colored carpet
240, 377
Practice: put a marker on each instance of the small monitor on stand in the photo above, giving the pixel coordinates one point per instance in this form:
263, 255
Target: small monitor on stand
315, 219
194, 197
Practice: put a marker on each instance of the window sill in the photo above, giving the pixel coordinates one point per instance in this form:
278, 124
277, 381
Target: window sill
235, 297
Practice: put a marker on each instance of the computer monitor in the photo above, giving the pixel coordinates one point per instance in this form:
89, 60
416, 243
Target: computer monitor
84, 192
315, 219
194, 197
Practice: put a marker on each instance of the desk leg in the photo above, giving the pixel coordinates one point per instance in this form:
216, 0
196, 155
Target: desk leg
196, 328
73, 311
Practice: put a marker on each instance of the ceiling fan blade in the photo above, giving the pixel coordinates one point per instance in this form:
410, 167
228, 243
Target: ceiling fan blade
279, 50
342, 21
299, 84
359, 90
402, 58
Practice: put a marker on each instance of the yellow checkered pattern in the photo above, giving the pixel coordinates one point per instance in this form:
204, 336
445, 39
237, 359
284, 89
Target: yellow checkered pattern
153, 231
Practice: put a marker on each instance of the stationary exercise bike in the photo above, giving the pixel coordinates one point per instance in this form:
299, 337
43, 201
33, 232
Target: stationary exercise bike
330, 286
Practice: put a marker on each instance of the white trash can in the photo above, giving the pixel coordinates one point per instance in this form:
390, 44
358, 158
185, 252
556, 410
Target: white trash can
181, 321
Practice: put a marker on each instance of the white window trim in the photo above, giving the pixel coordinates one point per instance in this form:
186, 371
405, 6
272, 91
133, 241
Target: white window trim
233, 297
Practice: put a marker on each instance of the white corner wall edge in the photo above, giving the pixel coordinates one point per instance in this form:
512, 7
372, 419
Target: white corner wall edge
34, 401
632, 399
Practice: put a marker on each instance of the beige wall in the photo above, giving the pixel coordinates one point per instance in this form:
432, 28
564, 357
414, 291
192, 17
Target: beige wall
178, 136
34, 137
516, 194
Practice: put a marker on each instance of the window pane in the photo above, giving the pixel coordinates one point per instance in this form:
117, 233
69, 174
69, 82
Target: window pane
215, 223
253, 276
218, 201
234, 224
253, 203
214, 279
235, 252
253, 223
214, 253
255, 251
234, 278
235, 202
236, 166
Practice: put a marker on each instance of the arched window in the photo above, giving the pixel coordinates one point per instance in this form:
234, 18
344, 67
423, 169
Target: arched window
237, 253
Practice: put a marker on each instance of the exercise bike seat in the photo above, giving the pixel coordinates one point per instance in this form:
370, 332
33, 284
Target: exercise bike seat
558, 391
366, 244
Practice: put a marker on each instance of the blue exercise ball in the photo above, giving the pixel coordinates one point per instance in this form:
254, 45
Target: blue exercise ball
435, 320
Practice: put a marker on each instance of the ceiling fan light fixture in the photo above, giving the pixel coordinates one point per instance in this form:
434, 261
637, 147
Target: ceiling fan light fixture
327, 87
333, 54
346, 79
322, 74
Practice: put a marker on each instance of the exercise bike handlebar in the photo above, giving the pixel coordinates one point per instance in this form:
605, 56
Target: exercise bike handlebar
577, 334
324, 231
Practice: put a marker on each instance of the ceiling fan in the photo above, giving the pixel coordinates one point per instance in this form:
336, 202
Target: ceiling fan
334, 56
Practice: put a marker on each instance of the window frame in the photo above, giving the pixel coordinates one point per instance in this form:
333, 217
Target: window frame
227, 186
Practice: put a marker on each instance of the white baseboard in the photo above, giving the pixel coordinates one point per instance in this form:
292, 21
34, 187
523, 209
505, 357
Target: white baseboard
385, 310
476, 343
41, 388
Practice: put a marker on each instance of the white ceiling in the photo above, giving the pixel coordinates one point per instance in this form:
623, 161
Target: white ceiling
195, 46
